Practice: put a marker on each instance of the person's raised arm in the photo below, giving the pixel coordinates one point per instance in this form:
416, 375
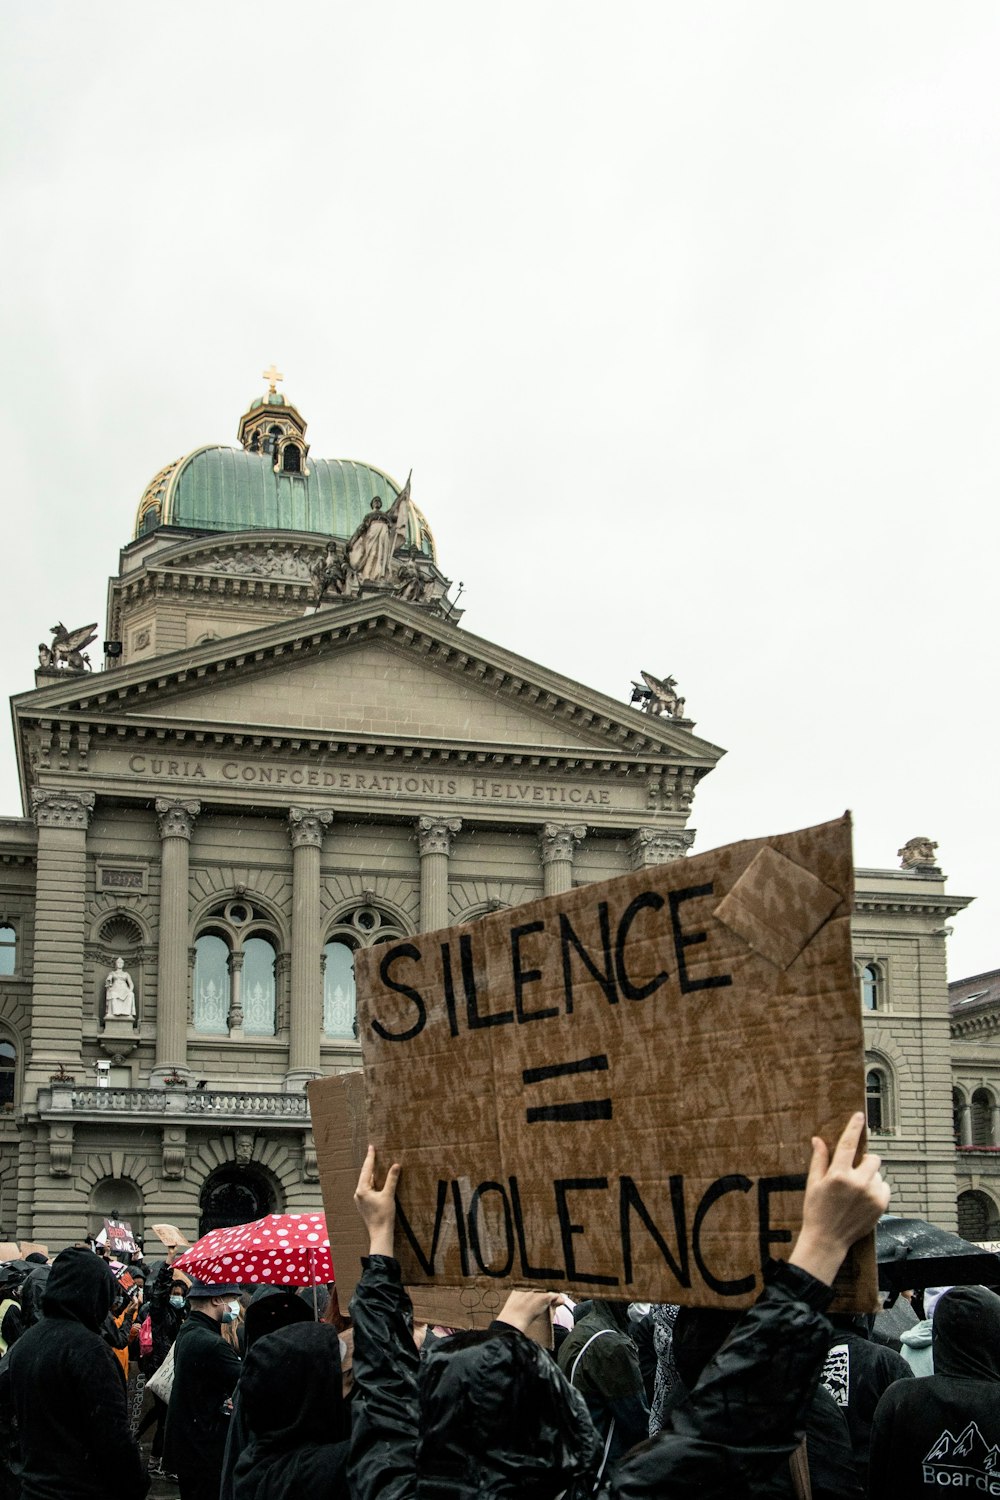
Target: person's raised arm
377, 1206
385, 1408
842, 1203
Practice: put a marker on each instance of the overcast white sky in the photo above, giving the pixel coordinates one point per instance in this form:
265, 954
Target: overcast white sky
685, 316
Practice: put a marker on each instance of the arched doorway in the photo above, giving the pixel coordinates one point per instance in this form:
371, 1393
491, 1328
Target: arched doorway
235, 1195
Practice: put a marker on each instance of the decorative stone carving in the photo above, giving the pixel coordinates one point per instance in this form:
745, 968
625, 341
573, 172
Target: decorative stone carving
173, 1152
659, 696
67, 653
434, 835
60, 1150
176, 819
658, 846
329, 573
919, 854
372, 549
62, 809
307, 825
559, 840
310, 1166
243, 1147
262, 562
119, 993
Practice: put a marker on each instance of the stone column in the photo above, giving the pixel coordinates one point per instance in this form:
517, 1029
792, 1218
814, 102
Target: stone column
658, 846
235, 1017
995, 1124
434, 836
306, 827
559, 841
62, 819
176, 820
964, 1124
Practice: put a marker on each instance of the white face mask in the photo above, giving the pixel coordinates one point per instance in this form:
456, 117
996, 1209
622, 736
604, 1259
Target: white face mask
231, 1313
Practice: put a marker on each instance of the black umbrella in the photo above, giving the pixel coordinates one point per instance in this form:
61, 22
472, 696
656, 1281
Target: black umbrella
913, 1254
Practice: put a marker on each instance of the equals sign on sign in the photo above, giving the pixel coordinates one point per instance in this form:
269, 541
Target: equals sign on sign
583, 1109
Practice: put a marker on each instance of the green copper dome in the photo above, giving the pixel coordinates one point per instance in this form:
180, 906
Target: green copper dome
228, 489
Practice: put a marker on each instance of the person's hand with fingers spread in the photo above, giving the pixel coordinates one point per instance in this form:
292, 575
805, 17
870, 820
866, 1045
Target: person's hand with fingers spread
377, 1206
842, 1203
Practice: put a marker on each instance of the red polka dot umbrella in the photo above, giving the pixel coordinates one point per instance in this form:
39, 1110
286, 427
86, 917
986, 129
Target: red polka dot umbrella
278, 1250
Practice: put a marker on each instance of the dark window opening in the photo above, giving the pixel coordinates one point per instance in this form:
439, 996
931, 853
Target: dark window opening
291, 460
876, 1102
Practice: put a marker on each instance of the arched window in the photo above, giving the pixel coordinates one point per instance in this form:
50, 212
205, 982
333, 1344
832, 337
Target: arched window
258, 992
8, 950
365, 927
338, 991
958, 1116
291, 460
982, 1118
8, 1073
235, 970
871, 988
978, 1218
211, 984
877, 1100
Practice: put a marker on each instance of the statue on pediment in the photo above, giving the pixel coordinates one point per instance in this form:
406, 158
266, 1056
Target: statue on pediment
67, 649
329, 574
659, 696
918, 854
371, 550
119, 994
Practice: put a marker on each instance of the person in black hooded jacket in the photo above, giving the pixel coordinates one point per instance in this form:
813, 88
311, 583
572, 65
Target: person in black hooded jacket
944, 1431
271, 1308
299, 1424
68, 1393
491, 1414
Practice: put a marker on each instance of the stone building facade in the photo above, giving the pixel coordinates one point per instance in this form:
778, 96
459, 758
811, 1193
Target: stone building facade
294, 749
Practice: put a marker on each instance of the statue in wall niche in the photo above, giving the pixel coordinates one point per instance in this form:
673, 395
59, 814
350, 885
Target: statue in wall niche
119, 994
373, 546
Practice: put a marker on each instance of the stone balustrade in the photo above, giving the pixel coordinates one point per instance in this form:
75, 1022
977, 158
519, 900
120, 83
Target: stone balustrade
155, 1103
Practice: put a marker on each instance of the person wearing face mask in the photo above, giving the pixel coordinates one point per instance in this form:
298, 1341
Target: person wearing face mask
206, 1369
165, 1304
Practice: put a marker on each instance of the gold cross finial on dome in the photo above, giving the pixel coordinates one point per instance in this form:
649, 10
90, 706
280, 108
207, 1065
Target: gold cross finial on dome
272, 375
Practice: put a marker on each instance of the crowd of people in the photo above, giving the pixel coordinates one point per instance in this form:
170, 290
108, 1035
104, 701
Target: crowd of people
116, 1376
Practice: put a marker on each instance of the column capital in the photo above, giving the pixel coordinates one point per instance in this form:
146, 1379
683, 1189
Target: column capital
434, 835
559, 840
658, 846
54, 809
307, 825
176, 819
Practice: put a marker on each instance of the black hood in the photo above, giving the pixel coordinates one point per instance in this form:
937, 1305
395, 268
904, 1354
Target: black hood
80, 1286
966, 1333
499, 1418
271, 1308
32, 1292
290, 1389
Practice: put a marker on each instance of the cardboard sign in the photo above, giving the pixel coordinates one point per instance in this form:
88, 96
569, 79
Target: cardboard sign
33, 1247
340, 1129
9, 1250
611, 1092
169, 1235
120, 1239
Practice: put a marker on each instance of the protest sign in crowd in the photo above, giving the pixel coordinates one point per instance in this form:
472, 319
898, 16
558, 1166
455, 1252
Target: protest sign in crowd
614, 1238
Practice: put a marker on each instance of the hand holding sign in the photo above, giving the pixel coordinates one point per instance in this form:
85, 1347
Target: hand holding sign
842, 1203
